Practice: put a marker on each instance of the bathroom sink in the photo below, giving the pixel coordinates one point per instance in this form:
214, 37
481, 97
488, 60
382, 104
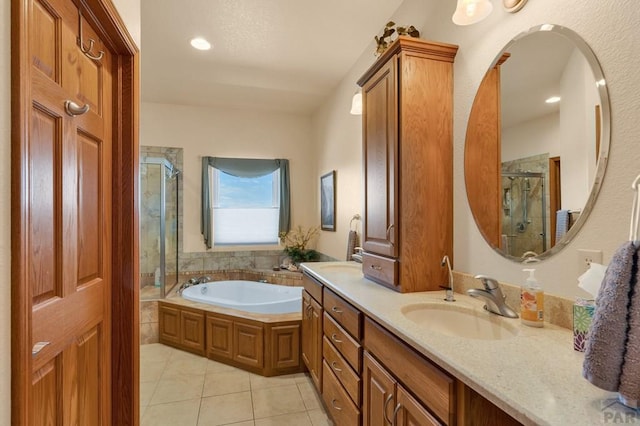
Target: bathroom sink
460, 321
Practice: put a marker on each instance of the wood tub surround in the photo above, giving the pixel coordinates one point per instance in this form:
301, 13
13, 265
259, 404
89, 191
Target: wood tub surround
268, 345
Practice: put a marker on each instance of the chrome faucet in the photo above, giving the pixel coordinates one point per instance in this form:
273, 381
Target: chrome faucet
493, 296
193, 281
445, 262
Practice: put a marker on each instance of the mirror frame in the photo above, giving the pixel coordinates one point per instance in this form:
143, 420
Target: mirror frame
605, 141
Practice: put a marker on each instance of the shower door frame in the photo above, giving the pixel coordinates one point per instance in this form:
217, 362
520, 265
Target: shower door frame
168, 167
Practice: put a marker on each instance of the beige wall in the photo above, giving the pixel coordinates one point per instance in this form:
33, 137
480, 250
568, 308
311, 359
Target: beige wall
226, 132
132, 21
609, 27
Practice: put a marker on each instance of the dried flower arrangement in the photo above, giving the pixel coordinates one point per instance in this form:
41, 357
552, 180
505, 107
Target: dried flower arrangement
295, 244
390, 29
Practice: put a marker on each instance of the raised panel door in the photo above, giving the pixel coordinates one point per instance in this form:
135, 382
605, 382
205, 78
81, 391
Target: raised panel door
192, 331
411, 413
248, 340
285, 347
316, 344
67, 220
379, 391
219, 337
380, 136
169, 325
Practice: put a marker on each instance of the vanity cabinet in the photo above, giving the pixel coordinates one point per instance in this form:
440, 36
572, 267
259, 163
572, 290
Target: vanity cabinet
312, 313
408, 164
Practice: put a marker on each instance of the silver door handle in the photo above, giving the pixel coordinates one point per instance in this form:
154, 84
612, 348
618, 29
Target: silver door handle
74, 109
38, 347
333, 404
334, 365
384, 411
336, 310
334, 337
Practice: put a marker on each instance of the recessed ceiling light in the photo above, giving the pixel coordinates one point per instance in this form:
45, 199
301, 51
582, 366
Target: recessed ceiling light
553, 100
200, 43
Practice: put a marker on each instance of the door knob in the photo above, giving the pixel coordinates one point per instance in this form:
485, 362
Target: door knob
74, 109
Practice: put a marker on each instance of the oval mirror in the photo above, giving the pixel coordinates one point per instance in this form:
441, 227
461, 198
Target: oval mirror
537, 143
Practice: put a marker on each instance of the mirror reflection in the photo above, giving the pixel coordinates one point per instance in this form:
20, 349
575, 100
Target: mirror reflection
537, 142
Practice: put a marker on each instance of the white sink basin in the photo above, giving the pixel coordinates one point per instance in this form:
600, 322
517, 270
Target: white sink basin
460, 321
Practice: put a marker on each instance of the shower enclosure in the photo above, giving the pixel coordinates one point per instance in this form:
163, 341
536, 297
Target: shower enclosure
158, 227
524, 220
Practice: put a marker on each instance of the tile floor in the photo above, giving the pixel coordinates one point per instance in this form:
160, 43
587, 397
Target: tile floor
181, 389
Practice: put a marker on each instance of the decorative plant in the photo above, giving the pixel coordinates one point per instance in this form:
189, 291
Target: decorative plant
389, 30
295, 244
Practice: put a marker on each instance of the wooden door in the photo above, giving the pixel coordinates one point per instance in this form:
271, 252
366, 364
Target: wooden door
248, 344
68, 232
306, 330
379, 393
411, 413
380, 139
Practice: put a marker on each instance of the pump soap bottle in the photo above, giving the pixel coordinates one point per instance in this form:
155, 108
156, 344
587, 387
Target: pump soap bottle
532, 301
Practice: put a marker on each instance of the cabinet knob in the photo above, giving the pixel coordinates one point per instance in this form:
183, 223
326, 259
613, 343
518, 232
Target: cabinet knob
376, 267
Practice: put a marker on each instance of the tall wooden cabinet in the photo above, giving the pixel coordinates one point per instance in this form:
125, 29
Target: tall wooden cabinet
408, 164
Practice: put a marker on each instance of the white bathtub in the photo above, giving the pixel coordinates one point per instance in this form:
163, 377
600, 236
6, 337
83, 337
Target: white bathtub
247, 296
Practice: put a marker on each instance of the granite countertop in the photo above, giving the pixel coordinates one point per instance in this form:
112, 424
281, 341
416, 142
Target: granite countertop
535, 376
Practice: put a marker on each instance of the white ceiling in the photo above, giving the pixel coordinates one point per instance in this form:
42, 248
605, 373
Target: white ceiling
278, 55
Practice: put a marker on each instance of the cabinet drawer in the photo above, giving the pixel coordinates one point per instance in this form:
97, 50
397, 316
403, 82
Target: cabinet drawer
313, 287
432, 386
343, 342
343, 372
346, 315
380, 269
338, 403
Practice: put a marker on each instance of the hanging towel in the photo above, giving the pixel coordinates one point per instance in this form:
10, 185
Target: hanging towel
630, 378
352, 243
562, 223
605, 349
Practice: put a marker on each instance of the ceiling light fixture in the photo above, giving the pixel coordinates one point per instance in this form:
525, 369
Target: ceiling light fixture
200, 43
471, 11
356, 103
553, 99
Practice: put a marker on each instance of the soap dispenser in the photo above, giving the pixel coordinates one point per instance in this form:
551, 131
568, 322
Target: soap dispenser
532, 301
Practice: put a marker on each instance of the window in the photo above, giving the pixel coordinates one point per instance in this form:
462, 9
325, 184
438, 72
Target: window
246, 210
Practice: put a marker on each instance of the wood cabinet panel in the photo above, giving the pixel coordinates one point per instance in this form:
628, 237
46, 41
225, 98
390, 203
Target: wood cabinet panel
285, 347
169, 322
382, 270
219, 337
192, 331
343, 342
339, 405
248, 341
344, 313
411, 413
313, 287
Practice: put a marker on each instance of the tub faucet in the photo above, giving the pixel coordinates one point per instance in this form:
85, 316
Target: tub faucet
493, 297
445, 262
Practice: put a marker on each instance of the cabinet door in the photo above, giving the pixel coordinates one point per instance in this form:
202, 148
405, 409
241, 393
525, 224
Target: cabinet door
379, 393
316, 343
285, 347
192, 328
380, 143
307, 339
219, 337
411, 413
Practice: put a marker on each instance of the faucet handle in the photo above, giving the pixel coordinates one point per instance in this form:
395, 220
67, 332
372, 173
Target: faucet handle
488, 282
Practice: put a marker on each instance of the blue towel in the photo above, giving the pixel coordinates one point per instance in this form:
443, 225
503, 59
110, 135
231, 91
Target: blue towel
562, 224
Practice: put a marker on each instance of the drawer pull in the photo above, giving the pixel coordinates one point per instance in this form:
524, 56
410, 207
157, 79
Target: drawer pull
333, 404
384, 411
334, 337
334, 366
376, 267
395, 414
336, 310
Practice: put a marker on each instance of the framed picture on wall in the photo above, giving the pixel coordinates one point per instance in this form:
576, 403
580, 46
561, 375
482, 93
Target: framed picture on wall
328, 201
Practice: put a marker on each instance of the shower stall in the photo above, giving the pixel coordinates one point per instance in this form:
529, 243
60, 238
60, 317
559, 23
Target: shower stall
158, 227
524, 220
